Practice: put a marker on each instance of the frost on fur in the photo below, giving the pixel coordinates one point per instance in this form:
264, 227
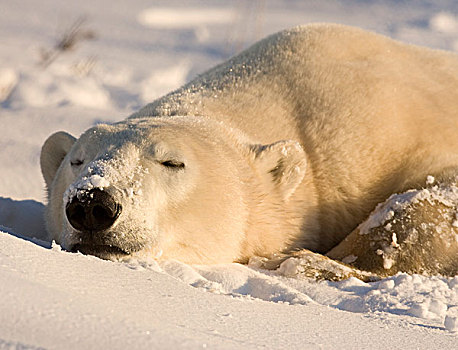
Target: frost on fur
413, 232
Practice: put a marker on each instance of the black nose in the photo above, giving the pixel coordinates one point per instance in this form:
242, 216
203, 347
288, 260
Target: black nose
94, 211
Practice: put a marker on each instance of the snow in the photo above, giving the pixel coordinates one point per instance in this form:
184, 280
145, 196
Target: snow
444, 22
53, 299
8, 81
446, 195
167, 18
451, 320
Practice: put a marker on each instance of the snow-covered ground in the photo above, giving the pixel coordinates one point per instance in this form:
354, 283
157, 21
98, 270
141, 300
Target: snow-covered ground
127, 53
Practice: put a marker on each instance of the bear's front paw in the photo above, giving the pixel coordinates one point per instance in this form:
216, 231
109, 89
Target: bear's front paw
306, 264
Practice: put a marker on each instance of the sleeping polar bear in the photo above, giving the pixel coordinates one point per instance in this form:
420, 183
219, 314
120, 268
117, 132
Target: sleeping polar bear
288, 146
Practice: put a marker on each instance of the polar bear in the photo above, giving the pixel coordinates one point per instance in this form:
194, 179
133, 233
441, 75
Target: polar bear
289, 145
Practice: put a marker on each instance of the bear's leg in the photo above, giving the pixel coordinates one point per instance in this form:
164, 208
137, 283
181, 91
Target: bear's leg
413, 232
304, 263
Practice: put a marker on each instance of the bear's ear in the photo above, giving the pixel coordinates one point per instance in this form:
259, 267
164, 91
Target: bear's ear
53, 153
283, 162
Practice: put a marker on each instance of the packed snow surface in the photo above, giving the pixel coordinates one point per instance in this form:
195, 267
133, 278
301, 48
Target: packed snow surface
53, 299
70, 65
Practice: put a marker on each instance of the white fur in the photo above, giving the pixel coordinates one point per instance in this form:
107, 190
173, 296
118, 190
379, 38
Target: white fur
290, 144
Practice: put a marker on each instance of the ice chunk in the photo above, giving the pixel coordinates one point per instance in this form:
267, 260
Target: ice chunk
451, 319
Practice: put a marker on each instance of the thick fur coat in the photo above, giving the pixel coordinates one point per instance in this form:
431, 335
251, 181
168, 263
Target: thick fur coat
289, 145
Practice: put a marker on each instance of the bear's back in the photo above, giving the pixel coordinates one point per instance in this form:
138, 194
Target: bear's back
301, 82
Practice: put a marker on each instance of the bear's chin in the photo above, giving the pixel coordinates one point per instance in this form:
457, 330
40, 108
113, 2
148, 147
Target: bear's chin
106, 252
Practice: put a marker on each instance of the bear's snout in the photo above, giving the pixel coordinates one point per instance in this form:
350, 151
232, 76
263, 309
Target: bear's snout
92, 211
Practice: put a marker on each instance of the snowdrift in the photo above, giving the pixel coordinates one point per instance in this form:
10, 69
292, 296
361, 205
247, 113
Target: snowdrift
54, 299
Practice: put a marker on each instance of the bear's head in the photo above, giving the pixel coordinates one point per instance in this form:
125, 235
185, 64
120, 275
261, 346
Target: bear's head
181, 187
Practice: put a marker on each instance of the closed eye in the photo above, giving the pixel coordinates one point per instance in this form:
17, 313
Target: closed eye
173, 164
76, 162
